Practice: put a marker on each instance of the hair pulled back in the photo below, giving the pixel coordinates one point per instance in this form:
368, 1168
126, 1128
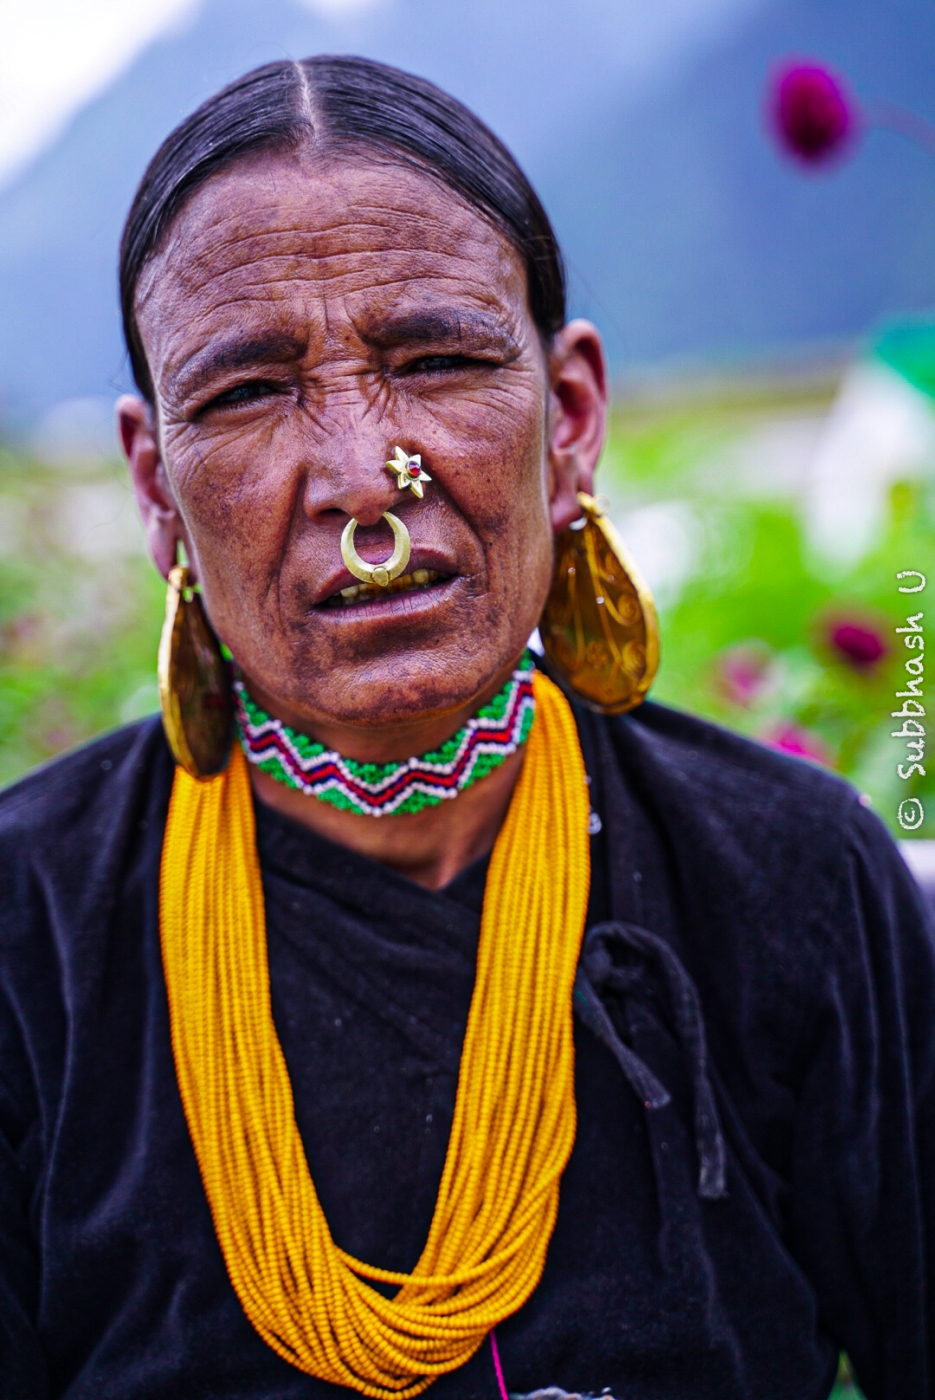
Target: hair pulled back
333, 103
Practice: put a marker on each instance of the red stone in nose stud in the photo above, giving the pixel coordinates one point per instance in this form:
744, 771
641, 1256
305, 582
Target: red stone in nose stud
408, 471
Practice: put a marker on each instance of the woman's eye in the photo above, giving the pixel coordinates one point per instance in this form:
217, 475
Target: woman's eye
243, 394
438, 364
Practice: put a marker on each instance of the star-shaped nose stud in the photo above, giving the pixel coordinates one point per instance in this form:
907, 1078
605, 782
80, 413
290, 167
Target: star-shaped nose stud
408, 471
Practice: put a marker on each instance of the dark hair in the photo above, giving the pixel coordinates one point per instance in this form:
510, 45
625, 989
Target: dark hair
341, 102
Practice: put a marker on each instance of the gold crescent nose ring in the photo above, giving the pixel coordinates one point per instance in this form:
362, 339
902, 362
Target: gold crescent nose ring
408, 472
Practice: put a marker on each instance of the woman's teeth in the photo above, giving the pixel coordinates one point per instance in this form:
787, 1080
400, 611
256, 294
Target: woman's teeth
365, 592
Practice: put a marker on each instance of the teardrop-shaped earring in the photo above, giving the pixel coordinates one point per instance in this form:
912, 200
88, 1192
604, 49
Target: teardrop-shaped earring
194, 683
599, 626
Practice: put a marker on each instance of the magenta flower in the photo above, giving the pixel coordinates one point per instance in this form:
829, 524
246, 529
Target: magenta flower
795, 739
812, 114
744, 672
859, 645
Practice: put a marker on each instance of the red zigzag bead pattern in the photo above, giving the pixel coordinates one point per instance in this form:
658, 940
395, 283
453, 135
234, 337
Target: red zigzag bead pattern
380, 789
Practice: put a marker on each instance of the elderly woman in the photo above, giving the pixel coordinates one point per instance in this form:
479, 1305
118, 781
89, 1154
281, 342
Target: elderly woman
408, 1020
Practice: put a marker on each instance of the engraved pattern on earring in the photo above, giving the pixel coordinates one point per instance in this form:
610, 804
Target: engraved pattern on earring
408, 472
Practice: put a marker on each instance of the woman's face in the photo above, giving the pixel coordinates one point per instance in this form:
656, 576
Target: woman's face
303, 320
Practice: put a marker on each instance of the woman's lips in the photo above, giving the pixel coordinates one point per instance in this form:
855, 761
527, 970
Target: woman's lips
359, 594
429, 569
379, 607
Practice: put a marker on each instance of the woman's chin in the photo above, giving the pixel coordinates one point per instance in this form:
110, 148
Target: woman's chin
390, 682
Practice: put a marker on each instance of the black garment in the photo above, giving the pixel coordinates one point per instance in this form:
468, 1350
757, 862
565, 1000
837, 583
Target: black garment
744, 896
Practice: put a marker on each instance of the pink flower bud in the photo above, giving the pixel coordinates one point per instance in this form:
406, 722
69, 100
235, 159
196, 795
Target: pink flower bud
744, 672
812, 114
858, 644
797, 740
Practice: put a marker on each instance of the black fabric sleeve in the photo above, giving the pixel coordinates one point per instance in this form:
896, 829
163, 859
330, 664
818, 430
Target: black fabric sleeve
863, 1198
22, 1367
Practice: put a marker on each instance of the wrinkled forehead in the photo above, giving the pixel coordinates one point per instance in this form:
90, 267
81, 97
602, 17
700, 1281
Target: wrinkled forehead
337, 241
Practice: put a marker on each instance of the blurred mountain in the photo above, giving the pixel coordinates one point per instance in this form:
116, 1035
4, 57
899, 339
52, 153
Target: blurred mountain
696, 239
686, 234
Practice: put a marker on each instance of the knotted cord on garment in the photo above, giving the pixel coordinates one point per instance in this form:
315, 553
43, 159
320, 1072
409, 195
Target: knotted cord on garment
648, 956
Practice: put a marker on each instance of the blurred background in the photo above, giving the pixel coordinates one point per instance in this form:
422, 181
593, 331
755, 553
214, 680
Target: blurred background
745, 191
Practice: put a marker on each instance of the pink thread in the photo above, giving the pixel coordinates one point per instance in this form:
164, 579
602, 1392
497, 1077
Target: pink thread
495, 1352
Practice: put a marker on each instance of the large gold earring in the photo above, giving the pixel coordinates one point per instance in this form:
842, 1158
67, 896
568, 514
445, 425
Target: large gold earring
599, 626
194, 683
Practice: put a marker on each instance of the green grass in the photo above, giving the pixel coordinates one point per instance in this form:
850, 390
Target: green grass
79, 624
846, 1387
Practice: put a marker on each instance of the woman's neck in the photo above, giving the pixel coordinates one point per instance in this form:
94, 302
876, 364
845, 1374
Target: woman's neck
430, 847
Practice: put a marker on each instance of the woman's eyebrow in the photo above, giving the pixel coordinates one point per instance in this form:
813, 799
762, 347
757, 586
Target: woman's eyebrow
475, 328
238, 352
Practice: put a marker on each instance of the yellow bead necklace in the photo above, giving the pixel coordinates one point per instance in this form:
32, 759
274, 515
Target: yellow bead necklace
514, 1117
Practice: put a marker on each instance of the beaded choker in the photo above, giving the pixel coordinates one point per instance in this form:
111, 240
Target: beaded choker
378, 789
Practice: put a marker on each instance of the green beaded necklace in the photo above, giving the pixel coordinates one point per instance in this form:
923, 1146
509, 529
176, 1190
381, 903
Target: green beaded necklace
380, 789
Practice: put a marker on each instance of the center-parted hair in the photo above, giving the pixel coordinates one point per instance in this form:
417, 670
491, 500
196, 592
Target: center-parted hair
333, 104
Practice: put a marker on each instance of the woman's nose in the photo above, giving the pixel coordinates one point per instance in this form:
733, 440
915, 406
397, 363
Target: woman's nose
351, 476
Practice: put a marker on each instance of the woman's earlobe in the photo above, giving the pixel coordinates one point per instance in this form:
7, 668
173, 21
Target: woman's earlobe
578, 385
567, 480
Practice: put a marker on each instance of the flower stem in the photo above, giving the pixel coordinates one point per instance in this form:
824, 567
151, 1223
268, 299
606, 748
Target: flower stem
894, 117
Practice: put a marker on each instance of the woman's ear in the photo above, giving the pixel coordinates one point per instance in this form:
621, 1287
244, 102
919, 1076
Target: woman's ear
154, 498
577, 417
